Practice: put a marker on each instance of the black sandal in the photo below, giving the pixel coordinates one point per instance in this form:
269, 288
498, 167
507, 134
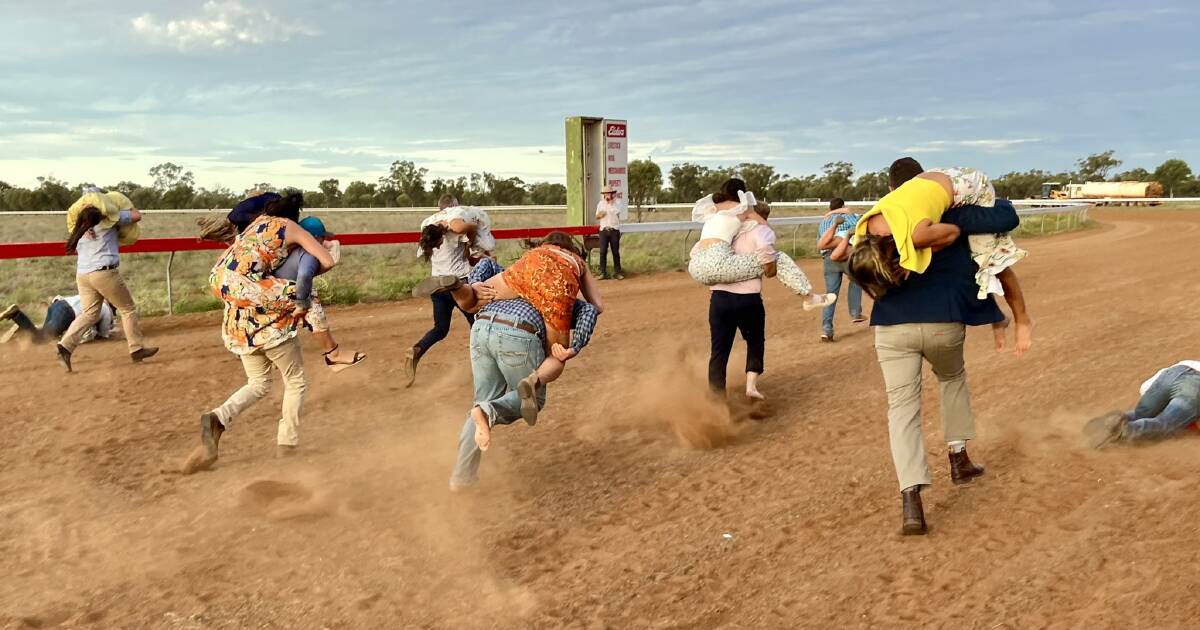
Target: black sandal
338, 367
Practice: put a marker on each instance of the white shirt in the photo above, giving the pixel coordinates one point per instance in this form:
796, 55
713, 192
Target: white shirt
103, 328
1195, 365
614, 213
450, 258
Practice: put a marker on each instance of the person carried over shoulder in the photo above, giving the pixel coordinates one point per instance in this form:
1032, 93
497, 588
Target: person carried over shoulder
731, 211
900, 234
550, 277
301, 267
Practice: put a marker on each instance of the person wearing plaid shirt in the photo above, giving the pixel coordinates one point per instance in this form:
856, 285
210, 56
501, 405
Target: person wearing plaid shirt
836, 227
508, 343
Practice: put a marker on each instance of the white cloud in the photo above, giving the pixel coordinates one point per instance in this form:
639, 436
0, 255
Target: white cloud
937, 146
9, 108
221, 24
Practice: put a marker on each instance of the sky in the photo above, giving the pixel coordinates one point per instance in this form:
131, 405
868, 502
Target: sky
292, 92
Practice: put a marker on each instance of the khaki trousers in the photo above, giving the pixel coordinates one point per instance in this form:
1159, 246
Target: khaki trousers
901, 350
290, 361
94, 288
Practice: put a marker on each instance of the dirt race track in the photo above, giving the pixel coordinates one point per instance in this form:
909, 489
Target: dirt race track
603, 516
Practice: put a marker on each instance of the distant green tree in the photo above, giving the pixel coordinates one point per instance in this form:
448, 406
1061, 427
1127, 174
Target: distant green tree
359, 195
315, 199
711, 179
219, 197
5, 186
547, 194
836, 181
758, 177
1095, 167
510, 191
54, 194
405, 183
169, 175
1175, 176
1024, 185
687, 181
1138, 174
145, 197
331, 188
871, 185
645, 182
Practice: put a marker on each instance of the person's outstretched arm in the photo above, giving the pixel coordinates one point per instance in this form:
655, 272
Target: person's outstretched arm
296, 235
978, 220
934, 235
827, 239
591, 289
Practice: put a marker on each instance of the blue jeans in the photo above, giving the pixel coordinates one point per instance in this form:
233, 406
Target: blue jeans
58, 319
1171, 403
500, 357
443, 312
299, 267
833, 284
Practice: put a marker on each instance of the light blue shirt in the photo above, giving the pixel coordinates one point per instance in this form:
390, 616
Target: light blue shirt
98, 248
844, 230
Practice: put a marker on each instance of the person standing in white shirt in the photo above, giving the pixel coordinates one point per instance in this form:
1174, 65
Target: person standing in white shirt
1170, 402
610, 212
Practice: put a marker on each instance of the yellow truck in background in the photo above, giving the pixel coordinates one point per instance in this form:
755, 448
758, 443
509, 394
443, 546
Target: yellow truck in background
1133, 191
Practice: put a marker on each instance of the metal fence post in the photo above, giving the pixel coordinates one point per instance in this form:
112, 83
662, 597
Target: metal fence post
170, 296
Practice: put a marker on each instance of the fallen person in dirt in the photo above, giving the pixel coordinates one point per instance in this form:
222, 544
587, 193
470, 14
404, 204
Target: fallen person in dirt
59, 316
1170, 402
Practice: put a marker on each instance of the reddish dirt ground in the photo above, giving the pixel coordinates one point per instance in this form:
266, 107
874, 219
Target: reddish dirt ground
602, 516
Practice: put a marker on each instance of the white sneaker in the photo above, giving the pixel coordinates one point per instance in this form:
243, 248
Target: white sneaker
9, 334
825, 299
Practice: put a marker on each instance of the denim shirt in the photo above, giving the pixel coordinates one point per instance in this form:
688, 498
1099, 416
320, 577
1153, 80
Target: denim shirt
98, 248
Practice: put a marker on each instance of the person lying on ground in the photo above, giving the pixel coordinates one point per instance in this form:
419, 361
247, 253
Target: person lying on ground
725, 214
549, 276
301, 267
59, 316
899, 235
1169, 403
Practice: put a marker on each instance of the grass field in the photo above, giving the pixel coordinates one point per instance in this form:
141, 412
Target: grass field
368, 273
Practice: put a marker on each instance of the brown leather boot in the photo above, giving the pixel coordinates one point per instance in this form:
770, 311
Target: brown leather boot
962, 470
914, 513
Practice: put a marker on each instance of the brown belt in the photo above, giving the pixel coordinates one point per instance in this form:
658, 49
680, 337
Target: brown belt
496, 319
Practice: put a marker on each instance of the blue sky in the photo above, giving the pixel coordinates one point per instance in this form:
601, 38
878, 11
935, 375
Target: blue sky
292, 92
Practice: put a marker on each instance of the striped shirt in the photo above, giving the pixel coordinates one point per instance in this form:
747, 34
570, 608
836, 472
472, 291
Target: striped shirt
583, 320
844, 230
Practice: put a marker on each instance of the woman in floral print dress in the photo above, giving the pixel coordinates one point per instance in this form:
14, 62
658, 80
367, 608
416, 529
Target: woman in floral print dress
260, 324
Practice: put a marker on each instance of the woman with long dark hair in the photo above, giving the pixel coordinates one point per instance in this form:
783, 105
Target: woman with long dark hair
98, 224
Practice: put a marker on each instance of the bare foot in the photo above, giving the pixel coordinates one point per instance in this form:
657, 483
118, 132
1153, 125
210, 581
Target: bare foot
1024, 336
1000, 334
754, 394
483, 431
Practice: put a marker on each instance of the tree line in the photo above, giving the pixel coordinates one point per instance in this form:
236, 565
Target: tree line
407, 185
687, 182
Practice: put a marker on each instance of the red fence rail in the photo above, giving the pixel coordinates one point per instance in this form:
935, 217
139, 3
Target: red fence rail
187, 244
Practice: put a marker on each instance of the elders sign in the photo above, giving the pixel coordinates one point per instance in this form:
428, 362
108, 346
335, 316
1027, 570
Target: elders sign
616, 156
